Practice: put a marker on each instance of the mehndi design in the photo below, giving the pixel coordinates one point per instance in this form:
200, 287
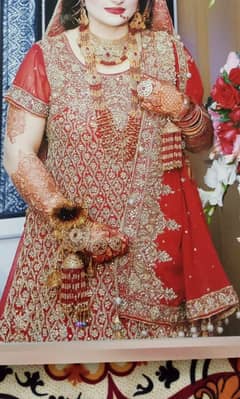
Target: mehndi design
163, 98
15, 123
36, 185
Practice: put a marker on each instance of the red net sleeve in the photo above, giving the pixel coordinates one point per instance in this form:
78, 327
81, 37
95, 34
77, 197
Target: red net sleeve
194, 88
196, 126
30, 89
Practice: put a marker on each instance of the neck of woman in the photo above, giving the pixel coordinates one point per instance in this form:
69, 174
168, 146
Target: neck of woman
107, 31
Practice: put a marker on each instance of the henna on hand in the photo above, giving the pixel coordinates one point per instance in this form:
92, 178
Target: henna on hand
86, 237
162, 97
35, 184
16, 121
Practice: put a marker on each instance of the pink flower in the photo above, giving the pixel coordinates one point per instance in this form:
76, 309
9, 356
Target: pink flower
236, 146
232, 62
215, 117
227, 134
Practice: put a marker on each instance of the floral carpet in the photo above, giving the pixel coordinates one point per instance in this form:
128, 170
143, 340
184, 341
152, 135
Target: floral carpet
196, 379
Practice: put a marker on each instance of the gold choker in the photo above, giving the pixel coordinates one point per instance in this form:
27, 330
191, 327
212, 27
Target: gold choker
109, 52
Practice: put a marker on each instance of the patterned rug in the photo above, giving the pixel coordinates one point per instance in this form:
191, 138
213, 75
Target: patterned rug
196, 379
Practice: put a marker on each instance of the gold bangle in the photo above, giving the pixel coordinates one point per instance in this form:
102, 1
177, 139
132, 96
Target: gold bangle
192, 126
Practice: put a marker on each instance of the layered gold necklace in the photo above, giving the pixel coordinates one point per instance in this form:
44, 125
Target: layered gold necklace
109, 52
95, 53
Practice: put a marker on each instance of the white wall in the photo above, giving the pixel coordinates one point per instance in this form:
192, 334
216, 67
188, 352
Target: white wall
10, 232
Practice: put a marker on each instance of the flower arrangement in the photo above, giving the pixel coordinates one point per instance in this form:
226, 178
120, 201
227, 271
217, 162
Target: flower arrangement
224, 109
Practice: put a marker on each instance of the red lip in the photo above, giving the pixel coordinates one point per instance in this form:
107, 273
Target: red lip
115, 10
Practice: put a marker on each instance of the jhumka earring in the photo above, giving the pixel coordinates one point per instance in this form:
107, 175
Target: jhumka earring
83, 18
137, 22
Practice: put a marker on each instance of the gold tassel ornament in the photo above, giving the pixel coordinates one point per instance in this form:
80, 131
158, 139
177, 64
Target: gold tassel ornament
83, 244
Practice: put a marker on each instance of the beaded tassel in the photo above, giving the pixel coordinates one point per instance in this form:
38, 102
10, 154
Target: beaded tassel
74, 296
171, 140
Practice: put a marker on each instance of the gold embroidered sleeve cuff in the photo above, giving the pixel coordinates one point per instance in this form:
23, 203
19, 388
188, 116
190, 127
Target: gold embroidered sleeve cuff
21, 98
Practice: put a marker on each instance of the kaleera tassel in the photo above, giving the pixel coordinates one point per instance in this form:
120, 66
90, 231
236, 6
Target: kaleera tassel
74, 293
171, 147
83, 244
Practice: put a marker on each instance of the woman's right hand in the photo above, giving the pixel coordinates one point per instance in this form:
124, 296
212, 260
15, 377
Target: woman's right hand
106, 243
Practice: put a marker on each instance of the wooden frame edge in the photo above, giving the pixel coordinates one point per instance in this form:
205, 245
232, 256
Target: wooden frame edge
119, 351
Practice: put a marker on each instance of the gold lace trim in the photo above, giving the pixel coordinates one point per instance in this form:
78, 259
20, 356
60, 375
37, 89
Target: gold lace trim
20, 97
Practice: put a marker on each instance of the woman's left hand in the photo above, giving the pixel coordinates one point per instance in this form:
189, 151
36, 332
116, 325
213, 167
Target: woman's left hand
162, 97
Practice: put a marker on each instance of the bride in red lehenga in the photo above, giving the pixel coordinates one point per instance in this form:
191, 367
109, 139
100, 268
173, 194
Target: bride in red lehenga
115, 243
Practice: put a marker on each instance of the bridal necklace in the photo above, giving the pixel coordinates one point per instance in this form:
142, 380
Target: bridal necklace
95, 51
109, 52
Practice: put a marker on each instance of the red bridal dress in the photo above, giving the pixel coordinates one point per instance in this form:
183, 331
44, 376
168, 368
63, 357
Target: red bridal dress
171, 278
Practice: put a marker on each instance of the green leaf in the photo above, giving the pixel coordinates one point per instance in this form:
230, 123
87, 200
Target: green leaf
225, 118
225, 77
